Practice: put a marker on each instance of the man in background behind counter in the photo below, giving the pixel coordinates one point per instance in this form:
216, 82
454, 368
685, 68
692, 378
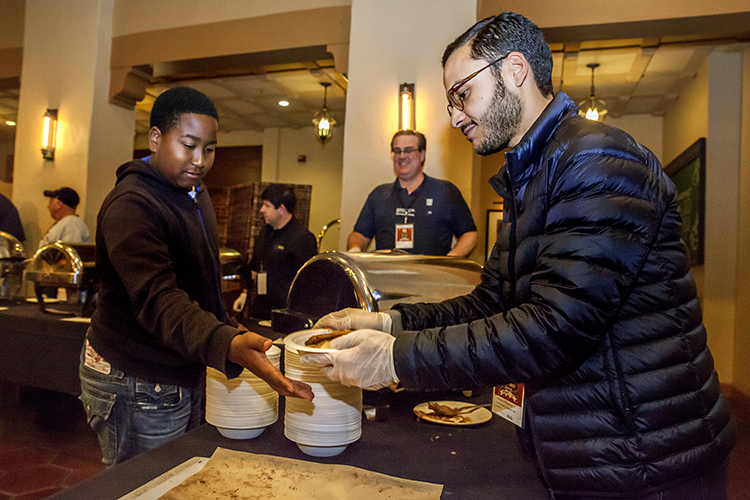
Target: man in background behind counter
68, 227
416, 213
281, 248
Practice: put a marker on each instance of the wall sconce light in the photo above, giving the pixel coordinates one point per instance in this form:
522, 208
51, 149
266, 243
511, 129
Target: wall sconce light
406, 119
49, 137
322, 120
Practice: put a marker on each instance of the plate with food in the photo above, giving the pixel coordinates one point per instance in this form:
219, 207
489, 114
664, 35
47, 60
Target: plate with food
318, 340
452, 413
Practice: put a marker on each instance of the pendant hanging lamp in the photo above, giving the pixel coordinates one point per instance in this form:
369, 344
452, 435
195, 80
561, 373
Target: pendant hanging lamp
592, 108
322, 119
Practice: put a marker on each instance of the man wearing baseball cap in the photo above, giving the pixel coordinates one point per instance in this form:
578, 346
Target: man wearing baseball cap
68, 226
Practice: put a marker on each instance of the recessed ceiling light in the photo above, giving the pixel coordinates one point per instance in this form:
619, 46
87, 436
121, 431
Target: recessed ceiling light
10, 123
283, 103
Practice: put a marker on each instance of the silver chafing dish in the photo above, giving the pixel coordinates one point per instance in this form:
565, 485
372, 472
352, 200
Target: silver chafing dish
231, 283
12, 264
70, 266
371, 281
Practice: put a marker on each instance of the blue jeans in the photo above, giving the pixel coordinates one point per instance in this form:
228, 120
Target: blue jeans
131, 415
710, 486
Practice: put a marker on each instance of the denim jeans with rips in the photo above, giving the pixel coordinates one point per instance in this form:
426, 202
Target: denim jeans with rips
131, 415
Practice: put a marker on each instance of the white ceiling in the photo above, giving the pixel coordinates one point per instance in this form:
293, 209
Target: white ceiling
251, 102
634, 77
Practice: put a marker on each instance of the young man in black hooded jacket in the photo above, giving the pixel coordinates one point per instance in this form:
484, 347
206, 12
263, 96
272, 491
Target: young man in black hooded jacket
160, 319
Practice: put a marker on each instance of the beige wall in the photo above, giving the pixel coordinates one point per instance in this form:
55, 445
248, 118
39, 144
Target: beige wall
708, 107
722, 206
11, 24
92, 135
322, 169
686, 119
392, 42
646, 129
136, 16
741, 348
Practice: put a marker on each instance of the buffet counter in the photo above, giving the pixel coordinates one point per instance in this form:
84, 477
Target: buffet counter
472, 462
40, 349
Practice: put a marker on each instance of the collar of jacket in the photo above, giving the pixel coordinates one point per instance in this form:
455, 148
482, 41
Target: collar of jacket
145, 168
532, 143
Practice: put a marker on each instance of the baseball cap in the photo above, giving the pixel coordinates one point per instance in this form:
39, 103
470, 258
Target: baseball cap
65, 195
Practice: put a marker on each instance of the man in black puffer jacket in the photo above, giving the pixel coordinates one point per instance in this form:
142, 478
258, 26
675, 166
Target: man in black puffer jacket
587, 297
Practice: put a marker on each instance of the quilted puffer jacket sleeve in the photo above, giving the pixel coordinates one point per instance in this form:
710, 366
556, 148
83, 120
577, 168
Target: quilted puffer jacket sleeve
583, 217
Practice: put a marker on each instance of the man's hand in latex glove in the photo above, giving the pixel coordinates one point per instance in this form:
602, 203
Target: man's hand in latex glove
355, 319
249, 350
364, 359
239, 304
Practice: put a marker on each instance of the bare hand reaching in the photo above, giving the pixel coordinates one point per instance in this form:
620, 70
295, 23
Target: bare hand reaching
249, 350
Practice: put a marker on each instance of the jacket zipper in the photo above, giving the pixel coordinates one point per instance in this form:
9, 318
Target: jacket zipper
512, 241
217, 275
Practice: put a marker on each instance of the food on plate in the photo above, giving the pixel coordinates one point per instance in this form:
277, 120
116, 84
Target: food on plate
444, 410
323, 340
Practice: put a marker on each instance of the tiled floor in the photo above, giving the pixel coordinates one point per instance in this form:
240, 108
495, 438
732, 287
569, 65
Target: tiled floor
46, 446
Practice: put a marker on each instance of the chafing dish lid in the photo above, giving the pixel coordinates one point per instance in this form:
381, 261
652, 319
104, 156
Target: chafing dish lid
10, 247
60, 258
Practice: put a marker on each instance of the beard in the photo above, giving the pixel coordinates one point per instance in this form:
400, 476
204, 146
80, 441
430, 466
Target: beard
500, 122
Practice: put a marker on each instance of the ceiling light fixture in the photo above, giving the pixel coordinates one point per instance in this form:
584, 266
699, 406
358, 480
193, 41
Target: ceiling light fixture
10, 123
595, 109
283, 103
322, 120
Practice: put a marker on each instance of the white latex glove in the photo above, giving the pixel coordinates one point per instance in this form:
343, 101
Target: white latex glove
239, 304
364, 359
355, 319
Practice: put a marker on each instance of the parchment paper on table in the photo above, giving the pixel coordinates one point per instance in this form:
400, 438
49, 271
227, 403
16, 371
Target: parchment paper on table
234, 474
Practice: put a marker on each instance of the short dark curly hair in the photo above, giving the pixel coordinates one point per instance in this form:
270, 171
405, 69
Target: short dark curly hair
497, 36
177, 101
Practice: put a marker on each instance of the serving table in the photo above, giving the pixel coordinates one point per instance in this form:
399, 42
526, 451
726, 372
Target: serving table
472, 462
39, 349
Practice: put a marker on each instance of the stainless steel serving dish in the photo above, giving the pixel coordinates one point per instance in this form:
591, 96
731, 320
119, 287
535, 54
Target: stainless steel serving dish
231, 283
70, 266
12, 264
371, 281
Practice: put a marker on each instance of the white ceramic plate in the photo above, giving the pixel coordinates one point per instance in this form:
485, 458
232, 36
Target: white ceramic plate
297, 340
473, 417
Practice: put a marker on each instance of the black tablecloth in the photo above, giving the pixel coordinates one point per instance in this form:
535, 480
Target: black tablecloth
472, 462
39, 349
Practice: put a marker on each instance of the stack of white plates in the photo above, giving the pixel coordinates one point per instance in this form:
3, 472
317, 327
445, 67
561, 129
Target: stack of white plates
242, 407
325, 426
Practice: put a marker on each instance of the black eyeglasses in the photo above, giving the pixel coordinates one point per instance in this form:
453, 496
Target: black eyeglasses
455, 101
406, 151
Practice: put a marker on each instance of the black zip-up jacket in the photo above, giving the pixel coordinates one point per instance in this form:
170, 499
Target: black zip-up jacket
160, 313
588, 299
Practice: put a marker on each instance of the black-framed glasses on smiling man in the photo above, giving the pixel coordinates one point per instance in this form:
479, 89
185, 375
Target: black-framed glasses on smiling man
455, 99
406, 151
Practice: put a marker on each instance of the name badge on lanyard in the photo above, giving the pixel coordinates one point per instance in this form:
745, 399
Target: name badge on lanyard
405, 232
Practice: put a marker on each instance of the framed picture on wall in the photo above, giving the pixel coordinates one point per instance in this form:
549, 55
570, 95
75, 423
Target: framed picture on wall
494, 223
688, 172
